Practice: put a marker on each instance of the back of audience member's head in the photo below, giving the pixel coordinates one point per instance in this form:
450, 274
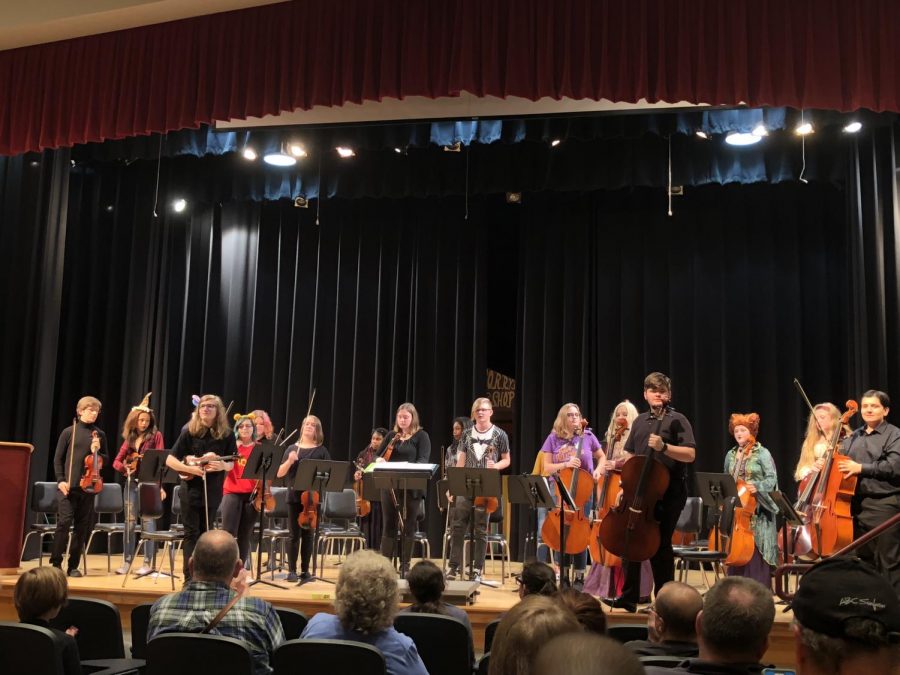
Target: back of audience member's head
674, 615
537, 578
846, 620
735, 622
40, 593
586, 608
215, 557
426, 583
366, 595
585, 654
522, 631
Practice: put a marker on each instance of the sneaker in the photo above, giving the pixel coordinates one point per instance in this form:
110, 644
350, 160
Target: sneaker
143, 570
475, 575
75, 573
305, 576
292, 577
452, 574
578, 585
123, 569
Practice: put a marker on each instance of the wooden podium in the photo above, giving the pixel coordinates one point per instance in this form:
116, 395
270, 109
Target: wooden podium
15, 458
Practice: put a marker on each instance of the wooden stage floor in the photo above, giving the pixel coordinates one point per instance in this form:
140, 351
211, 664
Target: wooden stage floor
318, 597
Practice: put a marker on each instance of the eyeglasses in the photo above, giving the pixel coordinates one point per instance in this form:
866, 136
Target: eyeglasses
208, 406
573, 414
483, 409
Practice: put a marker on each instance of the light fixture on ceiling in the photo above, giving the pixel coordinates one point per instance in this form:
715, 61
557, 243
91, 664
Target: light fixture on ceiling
804, 128
760, 130
555, 142
249, 154
301, 203
456, 147
742, 138
345, 152
179, 205
281, 158
513, 197
853, 127
297, 150
701, 134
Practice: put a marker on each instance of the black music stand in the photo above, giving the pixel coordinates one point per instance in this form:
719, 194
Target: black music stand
391, 478
473, 482
533, 491
319, 475
788, 516
257, 468
153, 469
715, 490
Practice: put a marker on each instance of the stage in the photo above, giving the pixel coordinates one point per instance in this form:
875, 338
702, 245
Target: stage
318, 597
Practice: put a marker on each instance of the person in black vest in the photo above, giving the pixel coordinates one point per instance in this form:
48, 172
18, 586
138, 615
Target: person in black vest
75, 505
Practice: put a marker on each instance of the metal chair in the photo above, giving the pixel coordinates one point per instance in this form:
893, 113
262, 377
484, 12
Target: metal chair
151, 507
327, 656
494, 538
421, 538
691, 520
442, 641
180, 654
339, 516
43, 503
277, 531
108, 501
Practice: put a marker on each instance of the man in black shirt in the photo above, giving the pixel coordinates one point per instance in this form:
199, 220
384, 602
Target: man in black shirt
672, 623
874, 456
666, 435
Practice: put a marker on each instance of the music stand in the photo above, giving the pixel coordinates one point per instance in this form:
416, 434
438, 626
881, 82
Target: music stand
319, 475
153, 469
788, 517
257, 468
715, 489
472, 482
567, 500
533, 491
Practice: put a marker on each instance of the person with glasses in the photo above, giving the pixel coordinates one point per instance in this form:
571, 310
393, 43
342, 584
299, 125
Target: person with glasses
671, 623
483, 446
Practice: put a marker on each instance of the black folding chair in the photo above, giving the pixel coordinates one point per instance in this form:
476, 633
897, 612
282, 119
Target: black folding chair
485, 664
489, 632
29, 649
140, 622
626, 632
328, 656
190, 653
442, 641
44, 504
292, 622
108, 501
99, 627
662, 661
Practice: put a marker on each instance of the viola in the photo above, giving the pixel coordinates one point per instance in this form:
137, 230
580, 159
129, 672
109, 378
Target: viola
309, 517
91, 481
739, 543
580, 484
203, 460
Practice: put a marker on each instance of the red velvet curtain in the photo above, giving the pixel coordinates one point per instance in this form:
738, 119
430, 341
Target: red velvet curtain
802, 53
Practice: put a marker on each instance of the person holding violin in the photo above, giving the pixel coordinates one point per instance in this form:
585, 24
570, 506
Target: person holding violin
371, 523
407, 442
80, 453
817, 443
667, 436
238, 514
139, 434
570, 445
207, 437
874, 455
749, 461
482, 446
301, 519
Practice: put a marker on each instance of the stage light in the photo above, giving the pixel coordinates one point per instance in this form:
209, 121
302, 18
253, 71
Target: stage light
737, 138
301, 203
804, 129
179, 205
298, 150
249, 154
760, 130
109, 208
345, 152
513, 197
701, 134
555, 142
852, 128
280, 158
456, 147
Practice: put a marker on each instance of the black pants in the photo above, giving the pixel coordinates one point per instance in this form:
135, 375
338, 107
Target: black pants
884, 551
301, 540
238, 516
663, 561
193, 516
463, 510
389, 534
77, 508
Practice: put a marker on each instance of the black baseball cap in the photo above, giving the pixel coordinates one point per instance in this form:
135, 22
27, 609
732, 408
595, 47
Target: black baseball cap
838, 589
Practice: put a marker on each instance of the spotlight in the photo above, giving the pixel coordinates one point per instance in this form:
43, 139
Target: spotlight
852, 128
345, 152
555, 142
804, 129
760, 130
280, 158
456, 147
298, 150
179, 205
109, 208
701, 134
402, 151
513, 197
301, 203
736, 138
34, 162
249, 154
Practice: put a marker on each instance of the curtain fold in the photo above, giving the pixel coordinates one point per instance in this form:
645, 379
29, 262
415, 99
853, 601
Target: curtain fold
296, 55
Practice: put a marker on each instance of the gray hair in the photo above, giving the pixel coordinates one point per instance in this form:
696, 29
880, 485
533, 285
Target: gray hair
366, 595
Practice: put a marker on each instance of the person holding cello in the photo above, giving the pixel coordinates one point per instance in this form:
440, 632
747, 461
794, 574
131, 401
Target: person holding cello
752, 463
666, 436
81, 448
571, 446
482, 446
817, 443
238, 514
874, 455
301, 520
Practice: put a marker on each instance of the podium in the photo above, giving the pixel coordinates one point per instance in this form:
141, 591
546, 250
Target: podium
14, 483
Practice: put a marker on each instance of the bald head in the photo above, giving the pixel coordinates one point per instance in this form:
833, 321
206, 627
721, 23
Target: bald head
215, 557
676, 607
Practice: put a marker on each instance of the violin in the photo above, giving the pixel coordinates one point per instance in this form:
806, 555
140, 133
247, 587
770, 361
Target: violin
580, 484
132, 461
363, 506
489, 504
309, 517
263, 496
203, 460
91, 481
738, 543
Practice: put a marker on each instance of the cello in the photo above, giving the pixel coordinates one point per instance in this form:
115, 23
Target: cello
607, 492
580, 485
739, 543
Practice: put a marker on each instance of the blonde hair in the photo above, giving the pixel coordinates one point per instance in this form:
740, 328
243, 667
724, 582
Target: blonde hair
366, 596
630, 416
525, 629
320, 435
560, 428
477, 404
814, 436
414, 425
220, 426
87, 402
40, 590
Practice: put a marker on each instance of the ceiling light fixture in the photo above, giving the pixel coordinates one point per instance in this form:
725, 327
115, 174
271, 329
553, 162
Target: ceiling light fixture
298, 150
760, 130
345, 152
853, 127
742, 138
701, 134
179, 205
555, 142
249, 154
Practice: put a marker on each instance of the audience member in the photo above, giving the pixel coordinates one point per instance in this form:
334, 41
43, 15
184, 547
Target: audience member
536, 578
586, 654
732, 630
671, 623
524, 629
426, 583
217, 573
366, 600
846, 620
586, 608
39, 595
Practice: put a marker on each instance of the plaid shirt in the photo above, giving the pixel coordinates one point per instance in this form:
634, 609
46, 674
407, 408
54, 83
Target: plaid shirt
251, 620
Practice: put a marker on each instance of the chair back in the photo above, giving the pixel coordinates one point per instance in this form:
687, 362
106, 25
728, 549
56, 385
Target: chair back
661, 661
140, 622
489, 631
691, 519
99, 627
484, 665
292, 622
176, 501
281, 507
497, 516
43, 497
340, 505
328, 656
442, 641
150, 500
29, 649
180, 654
626, 632
109, 499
